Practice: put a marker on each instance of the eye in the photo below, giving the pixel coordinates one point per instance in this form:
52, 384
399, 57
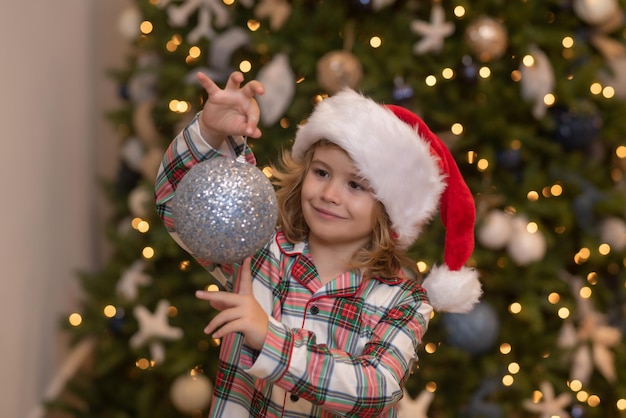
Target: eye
355, 185
320, 172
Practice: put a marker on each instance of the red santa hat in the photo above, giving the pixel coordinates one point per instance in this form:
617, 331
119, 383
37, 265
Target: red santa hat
413, 174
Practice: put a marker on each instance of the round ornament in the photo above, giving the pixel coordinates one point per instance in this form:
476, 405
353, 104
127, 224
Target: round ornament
337, 70
613, 232
224, 210
475, 331
468, 70
525, 247
576, 129
487, 38
496, 230
191, 393
595, 12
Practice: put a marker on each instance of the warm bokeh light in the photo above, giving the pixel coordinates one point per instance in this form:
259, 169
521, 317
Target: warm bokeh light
75, 319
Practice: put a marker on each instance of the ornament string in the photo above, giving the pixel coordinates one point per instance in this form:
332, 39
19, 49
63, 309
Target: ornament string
241, 158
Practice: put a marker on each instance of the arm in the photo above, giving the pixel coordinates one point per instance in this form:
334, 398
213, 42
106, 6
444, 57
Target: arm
363, 385
227, 113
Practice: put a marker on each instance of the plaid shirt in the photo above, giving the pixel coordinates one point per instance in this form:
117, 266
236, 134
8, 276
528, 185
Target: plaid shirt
340, 349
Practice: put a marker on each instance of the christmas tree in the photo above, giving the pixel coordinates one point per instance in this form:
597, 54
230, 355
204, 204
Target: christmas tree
530, 97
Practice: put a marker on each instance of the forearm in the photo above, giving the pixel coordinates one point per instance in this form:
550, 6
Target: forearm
364, 385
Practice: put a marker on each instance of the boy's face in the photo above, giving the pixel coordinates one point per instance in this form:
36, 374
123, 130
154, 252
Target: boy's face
337, 203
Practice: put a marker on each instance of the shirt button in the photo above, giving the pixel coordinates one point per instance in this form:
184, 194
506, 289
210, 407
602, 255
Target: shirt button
294, 398
315, 310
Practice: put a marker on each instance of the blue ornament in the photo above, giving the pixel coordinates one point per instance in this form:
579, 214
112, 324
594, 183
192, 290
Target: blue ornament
475, 331
224, 210
509, 158
575, 130
468, 70
402, 92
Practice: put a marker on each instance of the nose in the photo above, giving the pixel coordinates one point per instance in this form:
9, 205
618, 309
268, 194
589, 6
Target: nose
331, 193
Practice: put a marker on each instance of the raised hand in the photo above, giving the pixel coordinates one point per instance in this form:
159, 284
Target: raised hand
231, 111
240, 312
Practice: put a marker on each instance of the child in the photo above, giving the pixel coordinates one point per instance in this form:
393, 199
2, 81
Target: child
322, 321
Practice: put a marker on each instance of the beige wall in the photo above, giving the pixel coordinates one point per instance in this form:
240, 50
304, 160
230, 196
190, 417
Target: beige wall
54, 142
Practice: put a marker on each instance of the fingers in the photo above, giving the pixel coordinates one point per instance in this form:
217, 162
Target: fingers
209, 85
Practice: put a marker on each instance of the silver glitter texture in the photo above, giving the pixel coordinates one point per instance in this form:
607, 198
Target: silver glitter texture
224, 210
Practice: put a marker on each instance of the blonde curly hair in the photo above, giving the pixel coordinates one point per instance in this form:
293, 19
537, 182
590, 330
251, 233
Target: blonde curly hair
380, 257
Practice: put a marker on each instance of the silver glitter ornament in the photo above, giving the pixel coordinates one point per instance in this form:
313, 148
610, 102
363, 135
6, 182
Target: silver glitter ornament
224, 210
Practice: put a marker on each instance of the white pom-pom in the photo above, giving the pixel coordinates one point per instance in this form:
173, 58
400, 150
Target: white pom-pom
496, 230
453, 290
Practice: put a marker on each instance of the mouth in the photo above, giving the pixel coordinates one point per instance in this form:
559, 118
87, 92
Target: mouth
326, 214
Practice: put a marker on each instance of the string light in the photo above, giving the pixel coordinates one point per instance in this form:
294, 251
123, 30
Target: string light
456, 128
376, 41
554, 298
515, 308
109, 311
430, 348
245, 66
459, 11
253, 25
146, 27
75, 319
575, 385
147, 252
447, 73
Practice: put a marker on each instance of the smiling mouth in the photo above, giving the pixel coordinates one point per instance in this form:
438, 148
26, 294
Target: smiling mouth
327, 214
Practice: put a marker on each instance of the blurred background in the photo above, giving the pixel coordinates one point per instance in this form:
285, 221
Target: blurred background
56, 143
99, 318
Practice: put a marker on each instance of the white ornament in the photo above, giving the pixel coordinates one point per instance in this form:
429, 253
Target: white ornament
433, 32
381, 4
595, 12
133, 277
415, 408
496, 230
537, 81
153, 328
208, 11
191, 393
277, 11
225, 44
549, 405
140, 202
142, 85
525, 247
132, 153
613, 232
128, 23
594, 339
280, 87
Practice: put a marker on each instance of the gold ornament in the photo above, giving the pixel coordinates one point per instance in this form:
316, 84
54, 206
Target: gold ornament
337, 70
487, 38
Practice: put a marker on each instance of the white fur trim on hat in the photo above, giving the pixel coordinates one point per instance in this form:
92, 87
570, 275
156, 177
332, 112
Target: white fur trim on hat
452, 290
392, 155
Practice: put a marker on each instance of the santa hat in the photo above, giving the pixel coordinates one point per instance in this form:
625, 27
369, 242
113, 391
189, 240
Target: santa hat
412, 173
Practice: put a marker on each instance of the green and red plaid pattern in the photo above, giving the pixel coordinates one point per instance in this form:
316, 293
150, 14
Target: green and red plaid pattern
340, 349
